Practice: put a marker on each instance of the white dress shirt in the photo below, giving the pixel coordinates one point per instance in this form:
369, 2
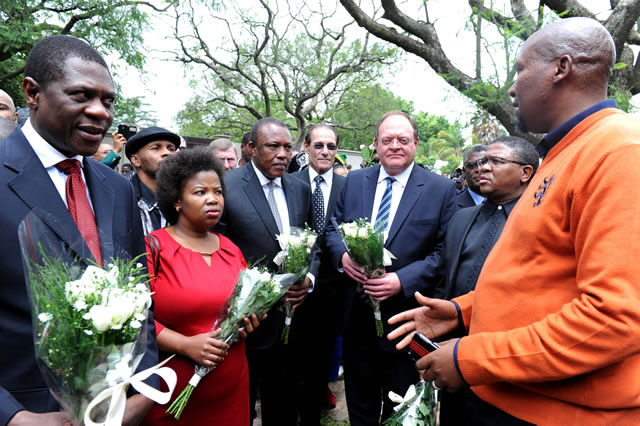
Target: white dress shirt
49, 157
397, 189
278, 193
325, 186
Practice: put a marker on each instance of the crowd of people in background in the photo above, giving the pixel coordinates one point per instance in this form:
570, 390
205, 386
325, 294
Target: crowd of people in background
517, 264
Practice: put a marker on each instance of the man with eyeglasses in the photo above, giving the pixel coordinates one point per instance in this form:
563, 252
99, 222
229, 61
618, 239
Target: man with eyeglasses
554, 324
412, 207
321, 146
503, 172
470, 196
263, 201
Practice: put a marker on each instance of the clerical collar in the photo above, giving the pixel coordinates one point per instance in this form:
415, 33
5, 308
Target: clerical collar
556, 135
489, 205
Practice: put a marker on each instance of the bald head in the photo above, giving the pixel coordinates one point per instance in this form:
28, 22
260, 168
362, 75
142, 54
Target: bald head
7, 107
586, 41
562, 69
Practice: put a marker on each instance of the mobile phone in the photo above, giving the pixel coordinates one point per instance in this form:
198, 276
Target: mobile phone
127, 131
421, 346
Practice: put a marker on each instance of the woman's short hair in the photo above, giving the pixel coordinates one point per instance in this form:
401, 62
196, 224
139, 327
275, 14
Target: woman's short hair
176, 170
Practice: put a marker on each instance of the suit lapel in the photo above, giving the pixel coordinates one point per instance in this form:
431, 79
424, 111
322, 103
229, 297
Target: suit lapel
336, 187
291, 194
34, 187
256, 196
460, 237
369, 184
410, 195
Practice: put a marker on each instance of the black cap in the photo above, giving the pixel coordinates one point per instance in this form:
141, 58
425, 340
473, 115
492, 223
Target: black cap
147, 135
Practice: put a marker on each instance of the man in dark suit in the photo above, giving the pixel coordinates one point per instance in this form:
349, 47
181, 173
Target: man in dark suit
470, 196
263, 202
318, 319
415, 216
70, 93
504, 173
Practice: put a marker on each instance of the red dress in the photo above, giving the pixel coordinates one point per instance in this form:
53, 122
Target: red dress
188, 297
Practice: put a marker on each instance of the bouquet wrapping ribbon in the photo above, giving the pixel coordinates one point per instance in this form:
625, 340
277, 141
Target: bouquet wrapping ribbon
394, 397
118, 393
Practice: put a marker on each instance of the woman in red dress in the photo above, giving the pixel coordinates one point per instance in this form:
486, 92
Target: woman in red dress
197, 272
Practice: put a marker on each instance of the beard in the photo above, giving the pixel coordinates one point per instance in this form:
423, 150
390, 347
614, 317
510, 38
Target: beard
522, 124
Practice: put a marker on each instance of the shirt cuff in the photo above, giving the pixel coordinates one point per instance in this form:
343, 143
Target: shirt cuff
313, 281
459, 312
455, 360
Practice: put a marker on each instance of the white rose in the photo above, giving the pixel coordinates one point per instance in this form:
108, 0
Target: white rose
121, 310
100, 317
265, 276
91, 275
295, 241
350, 230
363, 233
311, 240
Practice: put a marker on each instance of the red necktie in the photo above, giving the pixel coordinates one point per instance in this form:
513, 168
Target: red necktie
79, 206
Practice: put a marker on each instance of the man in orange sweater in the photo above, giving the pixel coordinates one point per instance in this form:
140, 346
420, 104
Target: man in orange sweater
554, 323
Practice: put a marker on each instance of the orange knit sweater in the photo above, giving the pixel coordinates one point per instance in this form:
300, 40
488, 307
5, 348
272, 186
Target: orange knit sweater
554, 323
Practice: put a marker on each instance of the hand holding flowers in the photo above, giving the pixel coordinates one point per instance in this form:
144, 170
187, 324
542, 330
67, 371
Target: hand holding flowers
254, 294
294, 259
365, 259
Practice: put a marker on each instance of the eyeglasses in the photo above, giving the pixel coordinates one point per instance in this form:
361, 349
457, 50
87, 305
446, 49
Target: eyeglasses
401, 141
496, 161
320, 146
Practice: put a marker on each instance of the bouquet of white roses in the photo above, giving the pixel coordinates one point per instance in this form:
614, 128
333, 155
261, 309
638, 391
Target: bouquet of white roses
365, 246
416, 408
294, 259
255, 293
90, 325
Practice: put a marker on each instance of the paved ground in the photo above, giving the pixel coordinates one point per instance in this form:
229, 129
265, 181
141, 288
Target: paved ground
334, 417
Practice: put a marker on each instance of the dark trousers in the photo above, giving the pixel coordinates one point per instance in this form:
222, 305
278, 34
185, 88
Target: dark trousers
271, 374
480, 413
453, 407
313, 335
369, 372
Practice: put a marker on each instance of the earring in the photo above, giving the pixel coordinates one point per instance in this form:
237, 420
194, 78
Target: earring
178, 209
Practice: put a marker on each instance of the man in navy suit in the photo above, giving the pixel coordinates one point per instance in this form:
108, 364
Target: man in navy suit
251, 221
470, 196
318, 319
70, 93
416, 215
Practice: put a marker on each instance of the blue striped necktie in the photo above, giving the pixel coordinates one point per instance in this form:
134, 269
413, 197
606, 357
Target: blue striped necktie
382, 220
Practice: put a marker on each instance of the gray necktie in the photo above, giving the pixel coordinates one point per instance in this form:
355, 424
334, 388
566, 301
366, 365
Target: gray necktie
271, 199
